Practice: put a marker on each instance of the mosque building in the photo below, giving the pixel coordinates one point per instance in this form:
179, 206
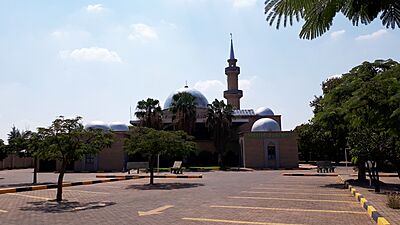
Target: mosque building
261, 142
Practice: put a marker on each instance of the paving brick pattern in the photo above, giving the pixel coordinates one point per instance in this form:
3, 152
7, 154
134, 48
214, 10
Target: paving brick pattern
196, 201
378, 200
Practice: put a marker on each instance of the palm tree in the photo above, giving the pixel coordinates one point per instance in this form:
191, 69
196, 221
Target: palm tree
183, 108
149, 112
219, 123
318, 14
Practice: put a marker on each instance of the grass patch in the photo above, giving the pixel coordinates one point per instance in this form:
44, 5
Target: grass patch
393, 200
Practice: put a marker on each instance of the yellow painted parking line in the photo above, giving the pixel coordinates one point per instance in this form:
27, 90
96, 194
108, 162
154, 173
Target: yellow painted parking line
291, 193
92, 192
285, 209
29, 196
295, 189
292, 199
235, 221
3, 211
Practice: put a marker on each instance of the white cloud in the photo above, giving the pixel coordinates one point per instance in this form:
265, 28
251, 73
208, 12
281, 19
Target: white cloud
243, 3
337, 34
64, 34
91, 54
142, 32
374, 36
97, 8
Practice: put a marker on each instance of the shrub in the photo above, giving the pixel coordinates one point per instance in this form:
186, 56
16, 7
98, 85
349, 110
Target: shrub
393, 200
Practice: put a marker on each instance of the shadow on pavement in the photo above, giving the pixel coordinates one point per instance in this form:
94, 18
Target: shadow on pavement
164, 186
64, 206
23, 184
384, 186
334, 186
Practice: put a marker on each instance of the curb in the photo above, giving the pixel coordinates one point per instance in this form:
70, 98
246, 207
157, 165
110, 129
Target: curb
53, 186
311, 174
148, 176
375, 215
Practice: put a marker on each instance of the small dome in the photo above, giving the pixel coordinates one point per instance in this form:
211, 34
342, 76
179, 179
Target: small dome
97, 125
264, 111
118, 126
265, 124
201, 101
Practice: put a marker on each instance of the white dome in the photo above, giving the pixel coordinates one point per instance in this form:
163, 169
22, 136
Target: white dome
97, 125
200, 100
264, 111
265, 124
118, 126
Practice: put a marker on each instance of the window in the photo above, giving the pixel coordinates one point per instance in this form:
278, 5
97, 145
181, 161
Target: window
271, 152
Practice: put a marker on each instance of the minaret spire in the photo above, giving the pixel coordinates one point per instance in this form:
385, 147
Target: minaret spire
232, 55
233, 94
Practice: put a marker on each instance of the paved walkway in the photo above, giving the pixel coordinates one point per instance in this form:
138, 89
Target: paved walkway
260, 197
378, 200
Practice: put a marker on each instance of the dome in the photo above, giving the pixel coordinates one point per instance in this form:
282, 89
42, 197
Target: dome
97, 125
118, 126
264, 111
265, 124
201, 101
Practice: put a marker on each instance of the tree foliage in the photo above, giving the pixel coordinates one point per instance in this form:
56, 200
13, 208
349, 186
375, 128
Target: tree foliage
360, 110
149, 112
219, 123
3, 150
183, 108
318, 15
66, 141
151, 142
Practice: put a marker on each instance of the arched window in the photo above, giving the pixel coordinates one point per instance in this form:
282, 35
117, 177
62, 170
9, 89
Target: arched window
271, 151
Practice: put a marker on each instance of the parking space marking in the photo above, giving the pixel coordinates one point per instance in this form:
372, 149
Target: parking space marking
285, 209
91, 192
29, 196
235, 221
292, 199
292, 193
3, 211
273, 188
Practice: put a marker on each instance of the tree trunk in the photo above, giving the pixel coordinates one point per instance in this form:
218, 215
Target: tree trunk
377, 183
151, 165
35, 162
361, 171
60, 181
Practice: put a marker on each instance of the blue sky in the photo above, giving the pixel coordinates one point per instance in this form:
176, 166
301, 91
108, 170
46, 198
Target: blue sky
97, 58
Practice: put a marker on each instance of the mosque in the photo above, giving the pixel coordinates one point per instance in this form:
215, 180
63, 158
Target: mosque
260, 142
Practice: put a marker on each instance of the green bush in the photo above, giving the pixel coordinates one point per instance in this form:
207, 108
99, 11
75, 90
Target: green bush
393, 200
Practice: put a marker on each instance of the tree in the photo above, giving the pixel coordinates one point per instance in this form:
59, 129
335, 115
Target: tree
149, 112
219, 123
67, 141
151, 142
318, 15
313, 142
3, 150
361, 110
183, 108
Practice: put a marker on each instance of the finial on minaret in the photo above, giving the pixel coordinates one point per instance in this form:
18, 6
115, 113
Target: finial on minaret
232, 55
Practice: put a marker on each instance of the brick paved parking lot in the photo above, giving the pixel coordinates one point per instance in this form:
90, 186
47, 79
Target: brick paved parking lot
260, 197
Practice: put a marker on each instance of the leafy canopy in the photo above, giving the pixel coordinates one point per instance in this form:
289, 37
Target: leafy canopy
318, 15
66, 140
151, 142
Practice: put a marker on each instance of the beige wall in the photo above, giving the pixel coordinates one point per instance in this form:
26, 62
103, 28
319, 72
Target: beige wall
255, 149
14, 162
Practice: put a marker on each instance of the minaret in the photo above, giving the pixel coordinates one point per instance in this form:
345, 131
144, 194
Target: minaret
233, 94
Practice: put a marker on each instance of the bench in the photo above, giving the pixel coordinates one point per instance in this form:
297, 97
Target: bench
136, 165
177, 167
325, 167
